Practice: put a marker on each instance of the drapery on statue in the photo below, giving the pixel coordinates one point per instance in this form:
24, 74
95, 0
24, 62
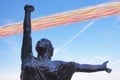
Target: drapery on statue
42, 67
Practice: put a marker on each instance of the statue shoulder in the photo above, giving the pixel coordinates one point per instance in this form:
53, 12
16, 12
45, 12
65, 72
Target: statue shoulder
58, 62
63, 62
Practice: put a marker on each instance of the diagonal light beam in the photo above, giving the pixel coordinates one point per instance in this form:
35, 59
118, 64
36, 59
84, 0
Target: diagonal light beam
98, 11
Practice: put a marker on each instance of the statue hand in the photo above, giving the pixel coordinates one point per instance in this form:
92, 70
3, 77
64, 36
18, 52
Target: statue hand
29, 8
105, 67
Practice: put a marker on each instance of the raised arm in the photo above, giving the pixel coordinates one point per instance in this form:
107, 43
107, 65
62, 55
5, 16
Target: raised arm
27, 41
93, 68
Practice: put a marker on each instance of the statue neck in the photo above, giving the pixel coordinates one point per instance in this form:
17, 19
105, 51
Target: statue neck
43, 58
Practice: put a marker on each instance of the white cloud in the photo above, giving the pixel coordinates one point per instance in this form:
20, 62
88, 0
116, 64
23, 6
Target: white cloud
10, 76
11, 73
14, 46
96, 76
116, 62
78, 76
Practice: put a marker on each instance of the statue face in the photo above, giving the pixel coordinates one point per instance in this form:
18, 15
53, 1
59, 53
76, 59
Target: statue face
43, 46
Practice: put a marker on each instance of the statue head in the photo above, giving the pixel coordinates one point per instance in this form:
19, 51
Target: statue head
44, 48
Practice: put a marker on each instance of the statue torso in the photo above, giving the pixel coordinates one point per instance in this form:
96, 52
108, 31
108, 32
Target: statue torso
45, 69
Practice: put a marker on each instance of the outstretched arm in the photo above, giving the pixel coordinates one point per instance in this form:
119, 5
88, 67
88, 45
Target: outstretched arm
93, 68
27, 41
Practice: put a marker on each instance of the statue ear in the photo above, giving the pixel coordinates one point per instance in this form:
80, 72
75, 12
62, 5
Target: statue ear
50, 51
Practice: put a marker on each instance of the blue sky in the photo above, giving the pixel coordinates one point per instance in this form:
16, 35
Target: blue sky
92, 41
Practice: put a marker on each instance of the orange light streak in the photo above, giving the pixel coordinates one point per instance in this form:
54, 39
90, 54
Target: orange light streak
68, 17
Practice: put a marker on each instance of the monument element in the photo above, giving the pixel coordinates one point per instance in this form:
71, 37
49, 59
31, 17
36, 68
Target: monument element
42, 67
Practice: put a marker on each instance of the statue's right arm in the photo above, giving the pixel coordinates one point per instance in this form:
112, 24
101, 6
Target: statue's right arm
93, 68
27, 40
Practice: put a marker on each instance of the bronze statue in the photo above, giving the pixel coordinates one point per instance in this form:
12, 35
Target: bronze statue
42, 67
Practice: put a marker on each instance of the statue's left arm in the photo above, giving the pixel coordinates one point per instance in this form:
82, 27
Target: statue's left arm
93, 68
